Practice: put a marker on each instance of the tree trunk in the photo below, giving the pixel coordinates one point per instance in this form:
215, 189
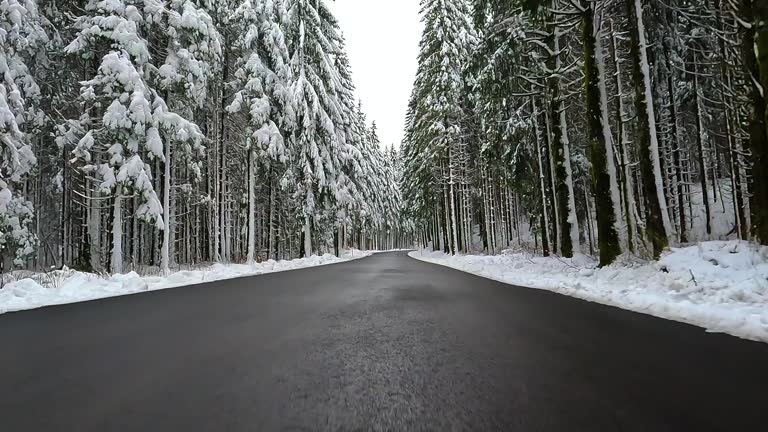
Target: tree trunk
94, 234
756, 53
625, 169
452, 200
224, 220
702, 162
117, 233
251, 258
545, 239
307, 236
569, 225
601, 149
658, 226
551, 190
677, 149
165, 248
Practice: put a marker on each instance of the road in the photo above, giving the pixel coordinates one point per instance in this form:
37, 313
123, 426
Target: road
382, 343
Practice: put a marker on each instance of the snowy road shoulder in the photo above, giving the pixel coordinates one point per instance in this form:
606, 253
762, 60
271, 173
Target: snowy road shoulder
720, 285
67, 286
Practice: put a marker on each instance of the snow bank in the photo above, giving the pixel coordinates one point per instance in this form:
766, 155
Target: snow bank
719, 285
67, 286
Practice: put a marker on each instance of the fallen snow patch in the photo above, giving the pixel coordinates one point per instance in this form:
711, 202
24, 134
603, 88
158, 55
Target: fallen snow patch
67, 286
719, 285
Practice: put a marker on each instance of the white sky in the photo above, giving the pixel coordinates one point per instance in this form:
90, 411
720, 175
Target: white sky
382, 43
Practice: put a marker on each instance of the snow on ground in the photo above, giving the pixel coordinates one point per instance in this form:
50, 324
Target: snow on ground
67, 286
719, 285
723, 214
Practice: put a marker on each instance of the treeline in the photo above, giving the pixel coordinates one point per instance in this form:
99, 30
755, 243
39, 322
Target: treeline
157, 132
605, 126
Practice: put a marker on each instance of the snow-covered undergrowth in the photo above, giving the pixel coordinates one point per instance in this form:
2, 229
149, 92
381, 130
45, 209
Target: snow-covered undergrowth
68, 286
719, 285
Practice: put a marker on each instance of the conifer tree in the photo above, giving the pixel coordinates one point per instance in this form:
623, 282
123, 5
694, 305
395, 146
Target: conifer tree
21, 34
758, 65
264, 77
311, 30
124, 114
444, 54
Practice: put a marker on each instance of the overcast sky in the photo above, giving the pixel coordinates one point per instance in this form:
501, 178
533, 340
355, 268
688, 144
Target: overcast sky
382, 43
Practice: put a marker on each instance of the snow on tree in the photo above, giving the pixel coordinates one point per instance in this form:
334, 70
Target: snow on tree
604, 173
21, 34
125, 116
658, 223
265, 78
187, 131
444, 54
155, 104
191, 58
312, 31
756, 14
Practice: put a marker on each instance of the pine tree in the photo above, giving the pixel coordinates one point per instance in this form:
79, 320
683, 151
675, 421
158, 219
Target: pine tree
124, 116
311, 31
353, 188
138, 93
758, 68
264, 77
604, 172
21, 34
658, 226
192, 54
444, 54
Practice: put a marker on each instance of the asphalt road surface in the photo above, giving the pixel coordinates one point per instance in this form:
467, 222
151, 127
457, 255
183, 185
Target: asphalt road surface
383, 343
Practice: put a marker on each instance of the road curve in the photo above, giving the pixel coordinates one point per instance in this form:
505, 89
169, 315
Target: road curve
383, 343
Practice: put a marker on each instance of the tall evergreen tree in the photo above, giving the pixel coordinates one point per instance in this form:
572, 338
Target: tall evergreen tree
21, 34
658, 226
124, 113
604, 181
264, 77
192, 55
757, 64
311, 31
444, 54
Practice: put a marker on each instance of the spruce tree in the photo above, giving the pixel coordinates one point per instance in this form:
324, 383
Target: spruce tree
124, 115
759, 126
311, 32
657, 219
604, 172
21, 34
192, 55
444, 55
264, 80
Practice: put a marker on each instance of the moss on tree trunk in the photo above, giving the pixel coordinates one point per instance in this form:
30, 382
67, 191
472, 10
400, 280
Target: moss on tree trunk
559, 155
608, 238
755, 53
759, 132
654, 219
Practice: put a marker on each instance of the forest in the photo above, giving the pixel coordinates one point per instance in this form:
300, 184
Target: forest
603, 127
483, 215
161, 133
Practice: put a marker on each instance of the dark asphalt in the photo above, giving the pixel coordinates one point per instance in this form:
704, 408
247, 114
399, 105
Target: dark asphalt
383, 343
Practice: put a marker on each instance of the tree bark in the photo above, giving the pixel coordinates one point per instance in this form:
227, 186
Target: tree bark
601, 149
569, 228
657, 224
702, 162
117, 233
251, 257
756, 61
